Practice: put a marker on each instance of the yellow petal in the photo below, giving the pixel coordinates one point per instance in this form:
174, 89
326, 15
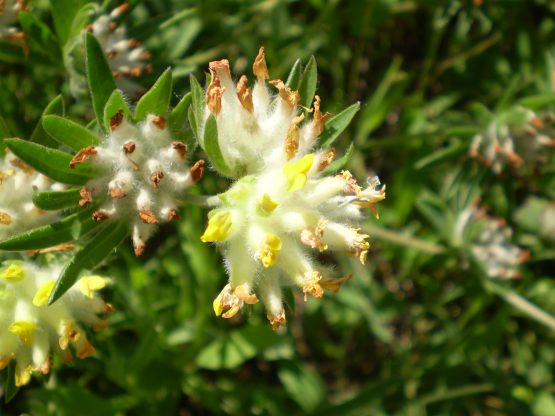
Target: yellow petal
13, 273
91, 284
43, 294
24, 330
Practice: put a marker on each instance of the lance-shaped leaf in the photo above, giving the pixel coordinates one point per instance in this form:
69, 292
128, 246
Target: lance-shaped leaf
197, 106
178, 116
68, 132
307, 84
10, 389
294, 76
53, 200
99, 75
69, 229
212, 147
50, 162
337, 124
156, 100
96, 250
114, 105
39, 135
341, 162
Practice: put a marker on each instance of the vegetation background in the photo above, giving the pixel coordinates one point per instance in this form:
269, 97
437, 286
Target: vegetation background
420, 330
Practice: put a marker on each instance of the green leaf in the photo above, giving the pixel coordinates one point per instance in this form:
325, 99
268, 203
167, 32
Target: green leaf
197, 104
294, 76
4, 132
115, 104
192, 121
99, 75
307, 84
64, 12
39, 36
341, 162
212, 147
53, 200
337, 124
69, 229
303, 384
10, 390
96, 250
156, 100
442, 155
178, 116
68, 132
40, 136
52, 163
537, 102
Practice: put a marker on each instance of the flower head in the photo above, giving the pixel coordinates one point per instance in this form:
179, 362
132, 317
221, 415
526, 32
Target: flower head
9, 9
30, 329
285, 209
490, 243
18, 182
143, 172
514, 138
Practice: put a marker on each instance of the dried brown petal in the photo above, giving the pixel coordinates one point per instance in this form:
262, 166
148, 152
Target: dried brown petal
156, 178
326, 159
117, 193
291, 145
86, 196
214, 94
220, 68
5, 218
112, 54
290, 97
197, 170
139, 248
129, 147
173, 215
319, 119
159, 121
244, 94
259, 67
180, 148
100, 216
147, 216
82, 156
116, 120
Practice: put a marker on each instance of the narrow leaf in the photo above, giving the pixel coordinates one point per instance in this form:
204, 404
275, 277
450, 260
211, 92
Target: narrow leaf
53, 200
69, 229
212, 147
294, 76
96, 250
156, 100
4, 132
40, 136
307, 84
178, 116
537, 102
99, 75
115, 104
52, 163
337, 124
197, 103
341, 162
68, 132
10, 389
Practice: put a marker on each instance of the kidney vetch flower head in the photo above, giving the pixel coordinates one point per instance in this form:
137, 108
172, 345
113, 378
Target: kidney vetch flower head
142, 175
286, 208
30, 329
18, 182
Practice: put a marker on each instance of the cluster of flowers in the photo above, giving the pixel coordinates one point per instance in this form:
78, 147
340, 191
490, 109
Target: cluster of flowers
30, 329
514, 138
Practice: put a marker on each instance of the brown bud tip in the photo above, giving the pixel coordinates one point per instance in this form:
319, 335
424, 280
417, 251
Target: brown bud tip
291, 146
173, 215
86, 196
108, 308
319, 119
112, 54
117, 193
133, 43
537, 123
244, 94
139, 248
5, 218
116, 75
197, 170
290, 97
326, 159
259, 67
116, 120
129, 147
112, 26
145, 56
180, 148
214, 94
120, 9
220, 67
159, 122
147, 216
82, 156
156, 178
100, 216
136, 71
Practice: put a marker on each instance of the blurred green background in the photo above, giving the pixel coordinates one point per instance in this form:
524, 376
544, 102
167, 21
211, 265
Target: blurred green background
420, 330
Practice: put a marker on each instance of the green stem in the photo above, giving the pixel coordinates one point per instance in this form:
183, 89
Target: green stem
403, 240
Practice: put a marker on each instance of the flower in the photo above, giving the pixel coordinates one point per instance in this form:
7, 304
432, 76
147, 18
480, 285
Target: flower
514, 138
490, 244
142, 175
30, 329
126, 57
273, 222
18, 182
